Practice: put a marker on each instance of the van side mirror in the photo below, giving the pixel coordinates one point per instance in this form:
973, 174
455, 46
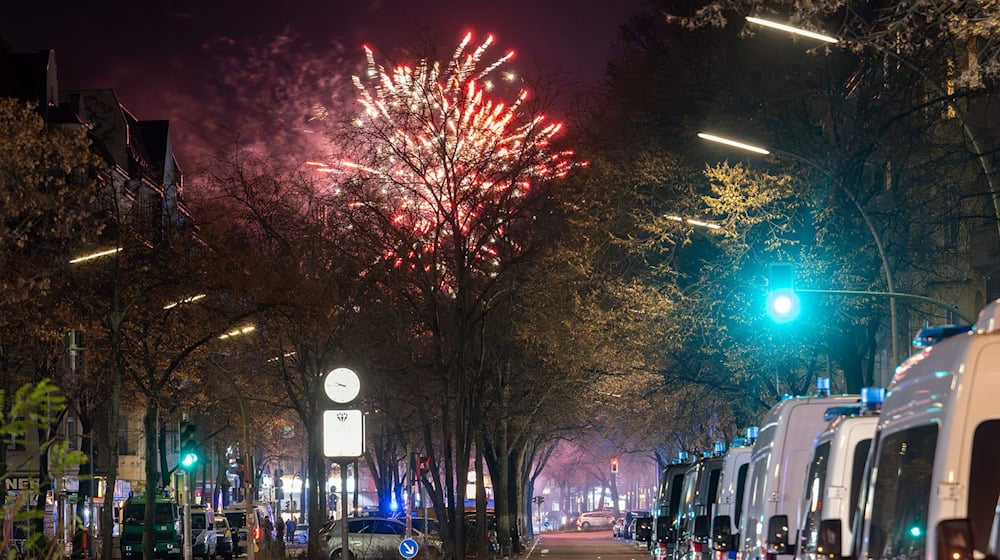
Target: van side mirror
777, 534
701, 527
828, 542
721, 533
954, 539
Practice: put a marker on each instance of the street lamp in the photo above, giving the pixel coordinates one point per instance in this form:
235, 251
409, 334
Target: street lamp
981, 155
850, 196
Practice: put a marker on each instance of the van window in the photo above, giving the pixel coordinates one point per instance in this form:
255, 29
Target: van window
713, 489
858, 473
815, 491
901, 494
984, 481
675, 498
741, 483
198, 521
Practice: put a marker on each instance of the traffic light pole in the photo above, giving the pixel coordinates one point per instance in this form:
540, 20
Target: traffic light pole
188, 548
249, 470
900, 295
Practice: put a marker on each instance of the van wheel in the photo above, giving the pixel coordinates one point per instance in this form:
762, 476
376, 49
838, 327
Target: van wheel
338, 555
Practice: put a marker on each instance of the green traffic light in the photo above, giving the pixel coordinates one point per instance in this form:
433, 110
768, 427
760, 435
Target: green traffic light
189, 459
783, 305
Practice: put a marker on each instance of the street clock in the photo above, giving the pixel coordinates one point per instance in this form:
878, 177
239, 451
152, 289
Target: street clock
342, 385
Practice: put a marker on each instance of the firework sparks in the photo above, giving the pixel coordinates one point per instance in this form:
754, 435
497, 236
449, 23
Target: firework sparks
447, 164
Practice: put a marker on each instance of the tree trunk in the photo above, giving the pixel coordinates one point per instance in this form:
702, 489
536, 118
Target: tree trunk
149, 424
316, 494
107, 510
482, 550
161, 443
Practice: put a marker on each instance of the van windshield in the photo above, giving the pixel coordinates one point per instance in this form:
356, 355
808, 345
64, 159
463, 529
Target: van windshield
901, 494
136, 513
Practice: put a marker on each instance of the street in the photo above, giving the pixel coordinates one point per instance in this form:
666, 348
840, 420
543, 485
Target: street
596, 545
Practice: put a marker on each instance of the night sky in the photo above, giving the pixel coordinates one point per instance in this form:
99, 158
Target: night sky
211, 66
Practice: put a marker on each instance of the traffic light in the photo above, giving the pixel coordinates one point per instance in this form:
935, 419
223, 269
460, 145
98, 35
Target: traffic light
614, 464
782, 301
188, 456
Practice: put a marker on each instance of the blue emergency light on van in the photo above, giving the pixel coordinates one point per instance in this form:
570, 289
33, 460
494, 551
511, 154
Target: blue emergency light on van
751, 434
720, 447
823, 386
928, 336
872, 399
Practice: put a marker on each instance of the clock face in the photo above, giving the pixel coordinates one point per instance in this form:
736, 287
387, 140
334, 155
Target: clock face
342, 385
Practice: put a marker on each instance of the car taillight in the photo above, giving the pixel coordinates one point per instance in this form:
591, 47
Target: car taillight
661, 550
257, 534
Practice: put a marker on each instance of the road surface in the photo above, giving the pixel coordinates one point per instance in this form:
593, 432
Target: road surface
592, 545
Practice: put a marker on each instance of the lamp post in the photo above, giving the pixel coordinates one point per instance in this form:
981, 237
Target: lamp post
857, 204
981, 155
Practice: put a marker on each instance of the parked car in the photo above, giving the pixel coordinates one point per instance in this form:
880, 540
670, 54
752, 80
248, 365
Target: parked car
301, 535
224, 545
595, 520
627, 524
642, 530
371, 538
203, 537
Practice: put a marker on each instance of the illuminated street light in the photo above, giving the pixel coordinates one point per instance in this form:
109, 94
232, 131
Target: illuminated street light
734, 143
793, 30
694, 222
238, 331
191, 299
92, 256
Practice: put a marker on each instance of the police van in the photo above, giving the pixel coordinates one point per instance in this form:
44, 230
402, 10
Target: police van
935, 475
668, 503
701, 489
724, 538
835, 479
778, 468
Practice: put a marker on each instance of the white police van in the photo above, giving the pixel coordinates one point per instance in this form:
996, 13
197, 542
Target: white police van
723, 538
935, 475
835, 479
778, 468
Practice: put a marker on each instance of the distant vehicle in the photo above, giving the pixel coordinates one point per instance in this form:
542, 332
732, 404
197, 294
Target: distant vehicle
166, 527
701, 490
204, 540
627, 522
642, 530
301, 535
224, 537
618, 528
595, 520
236, 514
371, 538
668, 505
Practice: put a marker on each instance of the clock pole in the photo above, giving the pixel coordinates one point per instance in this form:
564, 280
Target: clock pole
343, 435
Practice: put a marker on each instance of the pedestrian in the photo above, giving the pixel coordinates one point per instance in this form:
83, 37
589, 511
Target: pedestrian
268, 528
290, 530
279, 529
